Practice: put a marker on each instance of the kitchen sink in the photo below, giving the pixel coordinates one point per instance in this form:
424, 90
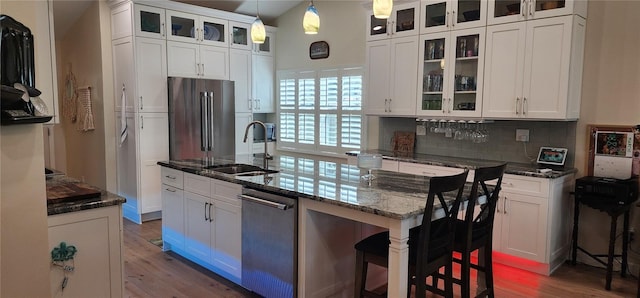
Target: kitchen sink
257, 173
242, 170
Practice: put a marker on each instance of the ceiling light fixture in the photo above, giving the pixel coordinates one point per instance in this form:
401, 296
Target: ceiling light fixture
382, 8
311, 20
258, 33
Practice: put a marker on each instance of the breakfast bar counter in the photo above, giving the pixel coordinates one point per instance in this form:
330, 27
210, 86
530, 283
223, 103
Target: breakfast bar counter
392, 201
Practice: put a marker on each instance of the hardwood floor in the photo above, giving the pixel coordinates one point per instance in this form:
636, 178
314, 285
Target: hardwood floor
149, 272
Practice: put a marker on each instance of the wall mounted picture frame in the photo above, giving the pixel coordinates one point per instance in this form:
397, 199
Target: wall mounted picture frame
319, 50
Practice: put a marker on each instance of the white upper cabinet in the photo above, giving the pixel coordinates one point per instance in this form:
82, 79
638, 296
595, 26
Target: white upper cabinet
500, 11
140, 68
267, 48
151, 68
240, 36
444, 15
150, 21
192, 28
534, 69
451, 73
240, 71
392, 76
197, 61
263, 82
402, 22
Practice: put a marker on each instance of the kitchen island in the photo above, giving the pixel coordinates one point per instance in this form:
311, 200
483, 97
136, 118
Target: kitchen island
90, 226
333, 204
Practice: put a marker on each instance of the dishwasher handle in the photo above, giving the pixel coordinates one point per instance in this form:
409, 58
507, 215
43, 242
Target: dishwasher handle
265, 202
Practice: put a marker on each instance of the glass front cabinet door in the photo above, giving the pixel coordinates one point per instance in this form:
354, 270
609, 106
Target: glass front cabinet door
149, 21
239, 36
441, 15
506, 11
402, 22
192, 28
451, 73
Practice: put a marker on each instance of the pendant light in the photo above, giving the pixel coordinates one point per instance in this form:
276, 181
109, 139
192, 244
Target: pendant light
258, 33
311, 20
382, 8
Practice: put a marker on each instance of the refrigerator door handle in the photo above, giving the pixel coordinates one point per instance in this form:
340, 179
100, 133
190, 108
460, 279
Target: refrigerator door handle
203, 122
211, 128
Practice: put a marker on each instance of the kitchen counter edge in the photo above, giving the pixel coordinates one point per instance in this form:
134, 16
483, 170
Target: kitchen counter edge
520, 169
106, 199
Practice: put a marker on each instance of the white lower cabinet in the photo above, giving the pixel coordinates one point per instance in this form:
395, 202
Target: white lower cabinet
98, 263
519, 226
533, 222
146, 144
210, 214
173, 217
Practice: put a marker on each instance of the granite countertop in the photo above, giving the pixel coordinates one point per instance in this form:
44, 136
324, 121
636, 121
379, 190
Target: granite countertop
391, 194
458, 162
104, 200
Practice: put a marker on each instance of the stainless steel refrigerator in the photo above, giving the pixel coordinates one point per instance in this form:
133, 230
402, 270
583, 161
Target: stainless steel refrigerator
201, 119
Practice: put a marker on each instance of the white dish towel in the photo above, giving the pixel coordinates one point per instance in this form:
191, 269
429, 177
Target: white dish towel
85, 114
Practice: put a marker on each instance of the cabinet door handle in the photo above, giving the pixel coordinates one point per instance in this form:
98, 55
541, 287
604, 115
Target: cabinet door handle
517, 103
453, 18
250, 104
170, 190
162, 30
449, 106
523, 8
444, 105
210, 217
141, 122
393, 27
171, 177
385, 104
531, 8
504, 206
446, 20
202, 71
257, 104
524, 106
390, 104
141, 104
197, 69
206, 204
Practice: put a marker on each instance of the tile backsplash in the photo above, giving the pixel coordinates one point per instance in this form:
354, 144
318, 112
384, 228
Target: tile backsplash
501, 145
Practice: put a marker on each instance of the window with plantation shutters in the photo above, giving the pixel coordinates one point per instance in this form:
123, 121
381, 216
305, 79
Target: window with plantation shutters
320, 111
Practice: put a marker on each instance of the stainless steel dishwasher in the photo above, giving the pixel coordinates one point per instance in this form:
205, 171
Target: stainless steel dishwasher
269, 243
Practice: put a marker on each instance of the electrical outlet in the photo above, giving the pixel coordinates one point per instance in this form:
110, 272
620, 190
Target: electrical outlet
421, 130
522, 135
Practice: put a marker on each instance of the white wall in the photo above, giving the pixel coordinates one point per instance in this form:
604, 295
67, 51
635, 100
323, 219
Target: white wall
81, 52
342, 26
610, 95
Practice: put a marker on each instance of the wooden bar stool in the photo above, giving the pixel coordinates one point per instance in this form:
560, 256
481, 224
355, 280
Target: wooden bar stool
430, 244
475, 232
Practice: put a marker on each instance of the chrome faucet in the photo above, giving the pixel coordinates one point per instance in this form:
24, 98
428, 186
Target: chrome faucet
267, 156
